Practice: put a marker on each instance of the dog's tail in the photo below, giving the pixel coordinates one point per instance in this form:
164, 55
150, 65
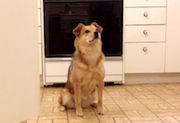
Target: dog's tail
61, 105
65, 99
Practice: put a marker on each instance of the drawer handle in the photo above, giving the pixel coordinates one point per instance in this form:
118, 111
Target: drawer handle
146, 14
145, 32
145, 49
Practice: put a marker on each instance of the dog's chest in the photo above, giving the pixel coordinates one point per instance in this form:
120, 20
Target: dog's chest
92, 58
89, 82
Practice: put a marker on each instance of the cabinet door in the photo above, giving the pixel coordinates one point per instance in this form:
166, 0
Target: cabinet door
19, 78
173, 36
144, 57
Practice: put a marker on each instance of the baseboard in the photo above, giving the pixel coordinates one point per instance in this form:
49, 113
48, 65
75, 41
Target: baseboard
152, 78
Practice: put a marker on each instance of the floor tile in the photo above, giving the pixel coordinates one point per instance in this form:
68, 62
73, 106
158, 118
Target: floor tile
32, 121
122, 120
146, 103
106, 120
169, 119
60, 121
44, 121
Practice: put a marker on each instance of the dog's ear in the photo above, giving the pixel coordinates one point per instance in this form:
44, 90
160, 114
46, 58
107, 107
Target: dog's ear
76, 31
99, 28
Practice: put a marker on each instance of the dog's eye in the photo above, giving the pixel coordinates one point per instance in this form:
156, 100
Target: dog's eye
87, 31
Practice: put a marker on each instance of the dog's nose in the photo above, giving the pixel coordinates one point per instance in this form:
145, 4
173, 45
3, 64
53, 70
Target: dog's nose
96, 35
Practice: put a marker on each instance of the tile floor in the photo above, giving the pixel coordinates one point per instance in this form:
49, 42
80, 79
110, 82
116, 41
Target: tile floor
150, 103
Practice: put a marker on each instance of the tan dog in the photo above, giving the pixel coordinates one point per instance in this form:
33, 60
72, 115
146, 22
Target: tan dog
86, 72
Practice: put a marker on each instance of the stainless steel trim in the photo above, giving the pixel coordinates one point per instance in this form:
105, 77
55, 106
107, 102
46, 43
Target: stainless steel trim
113, 58
58, 59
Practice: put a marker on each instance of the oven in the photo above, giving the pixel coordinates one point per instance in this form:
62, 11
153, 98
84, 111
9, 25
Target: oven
62, 16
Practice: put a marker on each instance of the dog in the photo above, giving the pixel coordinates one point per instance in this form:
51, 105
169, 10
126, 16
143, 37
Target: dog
86, 73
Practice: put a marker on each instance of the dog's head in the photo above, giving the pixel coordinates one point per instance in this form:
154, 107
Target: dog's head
88, 33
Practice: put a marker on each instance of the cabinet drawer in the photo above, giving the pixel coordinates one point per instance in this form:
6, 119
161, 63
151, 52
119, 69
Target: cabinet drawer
144, 57
56, 79
145, 33
113, 67
141, 3
57, 68
145, 16
60, 68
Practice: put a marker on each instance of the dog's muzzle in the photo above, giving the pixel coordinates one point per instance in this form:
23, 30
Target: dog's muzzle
96, 35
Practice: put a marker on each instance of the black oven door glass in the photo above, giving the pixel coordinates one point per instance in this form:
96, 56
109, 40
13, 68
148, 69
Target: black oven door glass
60, 18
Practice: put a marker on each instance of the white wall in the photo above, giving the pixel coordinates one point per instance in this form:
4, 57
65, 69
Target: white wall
19, 78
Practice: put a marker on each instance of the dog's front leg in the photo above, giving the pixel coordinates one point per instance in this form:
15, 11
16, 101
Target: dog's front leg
77, 91
100, 94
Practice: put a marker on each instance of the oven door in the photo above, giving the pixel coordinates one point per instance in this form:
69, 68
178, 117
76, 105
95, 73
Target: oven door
62, 17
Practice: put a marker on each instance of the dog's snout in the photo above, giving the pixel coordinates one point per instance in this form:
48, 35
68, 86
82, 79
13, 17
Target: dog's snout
96, 35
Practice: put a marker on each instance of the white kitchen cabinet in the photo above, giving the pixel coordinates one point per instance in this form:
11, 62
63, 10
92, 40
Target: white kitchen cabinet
145, 36
173, 36
144, 57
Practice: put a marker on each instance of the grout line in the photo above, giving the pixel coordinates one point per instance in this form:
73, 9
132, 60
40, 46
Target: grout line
176, 119
145, 105
114, 119
42, 95
118, 105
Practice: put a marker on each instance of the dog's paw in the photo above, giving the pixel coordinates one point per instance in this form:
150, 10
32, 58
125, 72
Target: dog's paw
62, 108
79, 113
100, 111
